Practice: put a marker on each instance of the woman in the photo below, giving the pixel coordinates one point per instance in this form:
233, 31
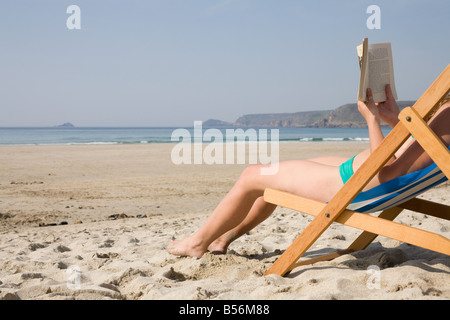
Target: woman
243, 207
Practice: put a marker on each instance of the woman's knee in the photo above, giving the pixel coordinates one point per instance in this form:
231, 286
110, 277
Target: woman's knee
250, 172
249, 176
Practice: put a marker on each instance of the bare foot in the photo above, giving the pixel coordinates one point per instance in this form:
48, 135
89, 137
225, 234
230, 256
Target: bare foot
185, 247
219, 246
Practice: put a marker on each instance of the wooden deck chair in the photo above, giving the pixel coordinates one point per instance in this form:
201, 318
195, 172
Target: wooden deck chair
391, 197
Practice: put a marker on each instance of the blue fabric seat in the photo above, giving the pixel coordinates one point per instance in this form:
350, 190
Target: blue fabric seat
398, 190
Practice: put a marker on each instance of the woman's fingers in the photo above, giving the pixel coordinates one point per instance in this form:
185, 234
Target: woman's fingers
369, 96
389, 95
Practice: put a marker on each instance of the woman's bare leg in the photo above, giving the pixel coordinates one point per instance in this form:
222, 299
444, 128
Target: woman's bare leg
330, 161
259, 212
306, 178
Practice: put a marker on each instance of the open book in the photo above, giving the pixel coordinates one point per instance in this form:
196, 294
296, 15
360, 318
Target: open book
377, 70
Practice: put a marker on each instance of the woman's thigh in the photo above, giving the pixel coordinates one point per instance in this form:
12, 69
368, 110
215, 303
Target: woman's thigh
302, 177
330, 161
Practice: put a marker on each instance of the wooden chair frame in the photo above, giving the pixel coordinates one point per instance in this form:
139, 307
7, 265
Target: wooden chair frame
412, 121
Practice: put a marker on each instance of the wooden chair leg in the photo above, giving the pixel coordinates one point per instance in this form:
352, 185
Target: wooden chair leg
360, 243
430, 208
372, 225
366, 237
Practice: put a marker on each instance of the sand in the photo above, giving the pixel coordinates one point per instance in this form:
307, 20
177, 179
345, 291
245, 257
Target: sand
93, 222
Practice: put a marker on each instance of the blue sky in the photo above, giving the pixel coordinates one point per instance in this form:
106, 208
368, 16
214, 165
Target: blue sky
171, 62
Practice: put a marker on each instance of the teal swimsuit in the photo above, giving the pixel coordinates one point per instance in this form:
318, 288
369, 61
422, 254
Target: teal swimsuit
346, 169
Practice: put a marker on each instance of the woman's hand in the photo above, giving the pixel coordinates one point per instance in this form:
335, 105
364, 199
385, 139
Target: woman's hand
388, 110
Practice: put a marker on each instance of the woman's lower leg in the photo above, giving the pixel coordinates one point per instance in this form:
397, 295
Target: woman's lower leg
259, 212
230, 212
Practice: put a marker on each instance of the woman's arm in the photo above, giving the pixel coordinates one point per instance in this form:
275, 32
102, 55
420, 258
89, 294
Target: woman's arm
389, 112
414, 158
371, 114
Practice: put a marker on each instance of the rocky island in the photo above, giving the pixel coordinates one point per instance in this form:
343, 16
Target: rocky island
66, 125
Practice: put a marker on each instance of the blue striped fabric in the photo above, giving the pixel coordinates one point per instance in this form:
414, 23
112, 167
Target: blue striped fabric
398, 190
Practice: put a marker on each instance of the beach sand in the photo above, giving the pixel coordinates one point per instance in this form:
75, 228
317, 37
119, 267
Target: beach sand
121, 205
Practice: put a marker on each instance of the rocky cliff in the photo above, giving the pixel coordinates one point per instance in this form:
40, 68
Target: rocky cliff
345, 116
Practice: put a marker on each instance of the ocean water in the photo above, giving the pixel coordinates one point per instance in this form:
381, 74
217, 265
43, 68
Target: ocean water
134, 135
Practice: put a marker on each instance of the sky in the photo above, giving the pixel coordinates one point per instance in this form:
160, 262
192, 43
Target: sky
172, 62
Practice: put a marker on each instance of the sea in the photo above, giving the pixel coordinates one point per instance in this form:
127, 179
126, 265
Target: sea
149, 135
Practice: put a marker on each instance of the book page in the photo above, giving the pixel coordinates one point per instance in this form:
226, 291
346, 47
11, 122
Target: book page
380, 70
362, 59
359, 51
